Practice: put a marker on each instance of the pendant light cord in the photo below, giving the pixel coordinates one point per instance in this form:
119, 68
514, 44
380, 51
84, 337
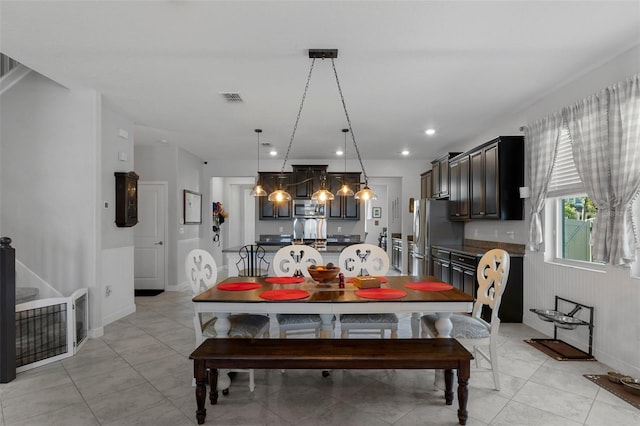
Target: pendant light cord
353, 137
295, 126
258, 131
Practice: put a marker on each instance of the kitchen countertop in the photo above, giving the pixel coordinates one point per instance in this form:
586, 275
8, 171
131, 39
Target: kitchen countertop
275, 248
478, 248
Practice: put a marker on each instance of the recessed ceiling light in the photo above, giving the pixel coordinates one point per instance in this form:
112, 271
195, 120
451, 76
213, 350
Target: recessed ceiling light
163, 141
273, 153
339, 152
430, 132
405, 152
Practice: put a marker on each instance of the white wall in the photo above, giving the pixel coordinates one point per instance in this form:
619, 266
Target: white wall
181, 170
50, 171
614, 294
116, 260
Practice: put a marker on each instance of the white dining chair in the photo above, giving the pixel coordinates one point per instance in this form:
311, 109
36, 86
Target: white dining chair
473, 331
293, 260
201, 271
361, 260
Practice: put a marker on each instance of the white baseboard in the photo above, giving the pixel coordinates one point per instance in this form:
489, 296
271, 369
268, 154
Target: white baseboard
94, 333
119, 314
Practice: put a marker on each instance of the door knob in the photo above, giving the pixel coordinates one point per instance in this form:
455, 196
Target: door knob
159, 243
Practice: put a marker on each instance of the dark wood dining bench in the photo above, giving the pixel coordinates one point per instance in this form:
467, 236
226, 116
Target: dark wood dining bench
324, 354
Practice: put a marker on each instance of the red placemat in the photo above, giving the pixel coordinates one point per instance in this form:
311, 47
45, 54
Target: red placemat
382, 279
381, 293
285, 280
429, 286
238, 286
284, 294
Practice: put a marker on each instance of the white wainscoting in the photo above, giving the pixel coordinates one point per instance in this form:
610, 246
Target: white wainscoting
614, 295
117, 280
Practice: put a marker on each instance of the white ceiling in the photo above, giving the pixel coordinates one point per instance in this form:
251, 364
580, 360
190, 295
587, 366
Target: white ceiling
456, 66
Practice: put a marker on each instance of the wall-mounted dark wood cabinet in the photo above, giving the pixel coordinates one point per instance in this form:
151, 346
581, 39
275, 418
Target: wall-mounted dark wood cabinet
302, 173
496, 172
126, 199
426, 185
440, 175
269, 210
343, 208
459, 188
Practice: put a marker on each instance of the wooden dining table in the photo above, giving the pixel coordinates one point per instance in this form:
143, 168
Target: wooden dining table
329, 300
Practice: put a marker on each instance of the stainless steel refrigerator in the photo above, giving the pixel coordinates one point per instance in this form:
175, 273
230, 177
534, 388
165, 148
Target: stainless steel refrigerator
431, 226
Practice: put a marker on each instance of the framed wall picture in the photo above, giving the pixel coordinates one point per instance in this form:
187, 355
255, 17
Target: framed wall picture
376, 212
192, 207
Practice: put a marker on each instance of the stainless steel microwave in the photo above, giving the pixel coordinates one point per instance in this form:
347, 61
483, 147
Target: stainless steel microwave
307, 208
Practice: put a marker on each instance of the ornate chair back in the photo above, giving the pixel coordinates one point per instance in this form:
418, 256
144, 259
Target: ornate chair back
492, 275
201, 271
294, 259
363, 259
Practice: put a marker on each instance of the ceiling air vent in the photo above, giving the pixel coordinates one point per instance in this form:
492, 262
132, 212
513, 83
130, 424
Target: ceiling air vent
232, 97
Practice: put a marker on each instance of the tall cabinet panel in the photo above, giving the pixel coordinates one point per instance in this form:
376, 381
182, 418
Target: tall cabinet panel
269, 210
426, 189
497, 173
343, 208
459, 188
440, 175
312, 175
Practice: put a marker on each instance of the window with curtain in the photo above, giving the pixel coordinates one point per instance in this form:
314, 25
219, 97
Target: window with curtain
603, 133
573, 211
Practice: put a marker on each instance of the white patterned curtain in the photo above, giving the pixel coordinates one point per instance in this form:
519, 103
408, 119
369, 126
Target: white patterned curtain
605, 133
541, 142
624, 142
587, 122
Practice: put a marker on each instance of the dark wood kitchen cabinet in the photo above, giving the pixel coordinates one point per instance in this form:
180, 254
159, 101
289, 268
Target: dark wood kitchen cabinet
463, 272
496, 171
459, 188
126, 199
440, 175
463, 269
426, 188
343, 208
269, 210
313, 173
441, 265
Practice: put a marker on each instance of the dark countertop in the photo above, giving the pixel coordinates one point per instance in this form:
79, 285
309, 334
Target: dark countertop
275, 248
477, 251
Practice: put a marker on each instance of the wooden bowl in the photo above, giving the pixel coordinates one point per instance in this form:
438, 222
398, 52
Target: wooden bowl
323, 275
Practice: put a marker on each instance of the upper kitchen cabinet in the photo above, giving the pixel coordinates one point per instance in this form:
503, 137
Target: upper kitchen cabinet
426, 188
459, 188
496, 172
301, 173
343, 208
440, 176
269, 210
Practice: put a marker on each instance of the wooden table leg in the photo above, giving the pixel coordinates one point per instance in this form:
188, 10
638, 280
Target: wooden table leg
464, 372
199, 373
213, 386
448, 386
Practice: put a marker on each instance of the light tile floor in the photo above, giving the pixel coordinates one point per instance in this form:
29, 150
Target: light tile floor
138, 373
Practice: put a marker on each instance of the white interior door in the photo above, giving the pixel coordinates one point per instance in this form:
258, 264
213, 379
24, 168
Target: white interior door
149, 237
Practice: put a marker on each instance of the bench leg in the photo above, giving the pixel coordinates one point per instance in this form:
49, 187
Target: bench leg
199, 373
464, 372
448, 386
